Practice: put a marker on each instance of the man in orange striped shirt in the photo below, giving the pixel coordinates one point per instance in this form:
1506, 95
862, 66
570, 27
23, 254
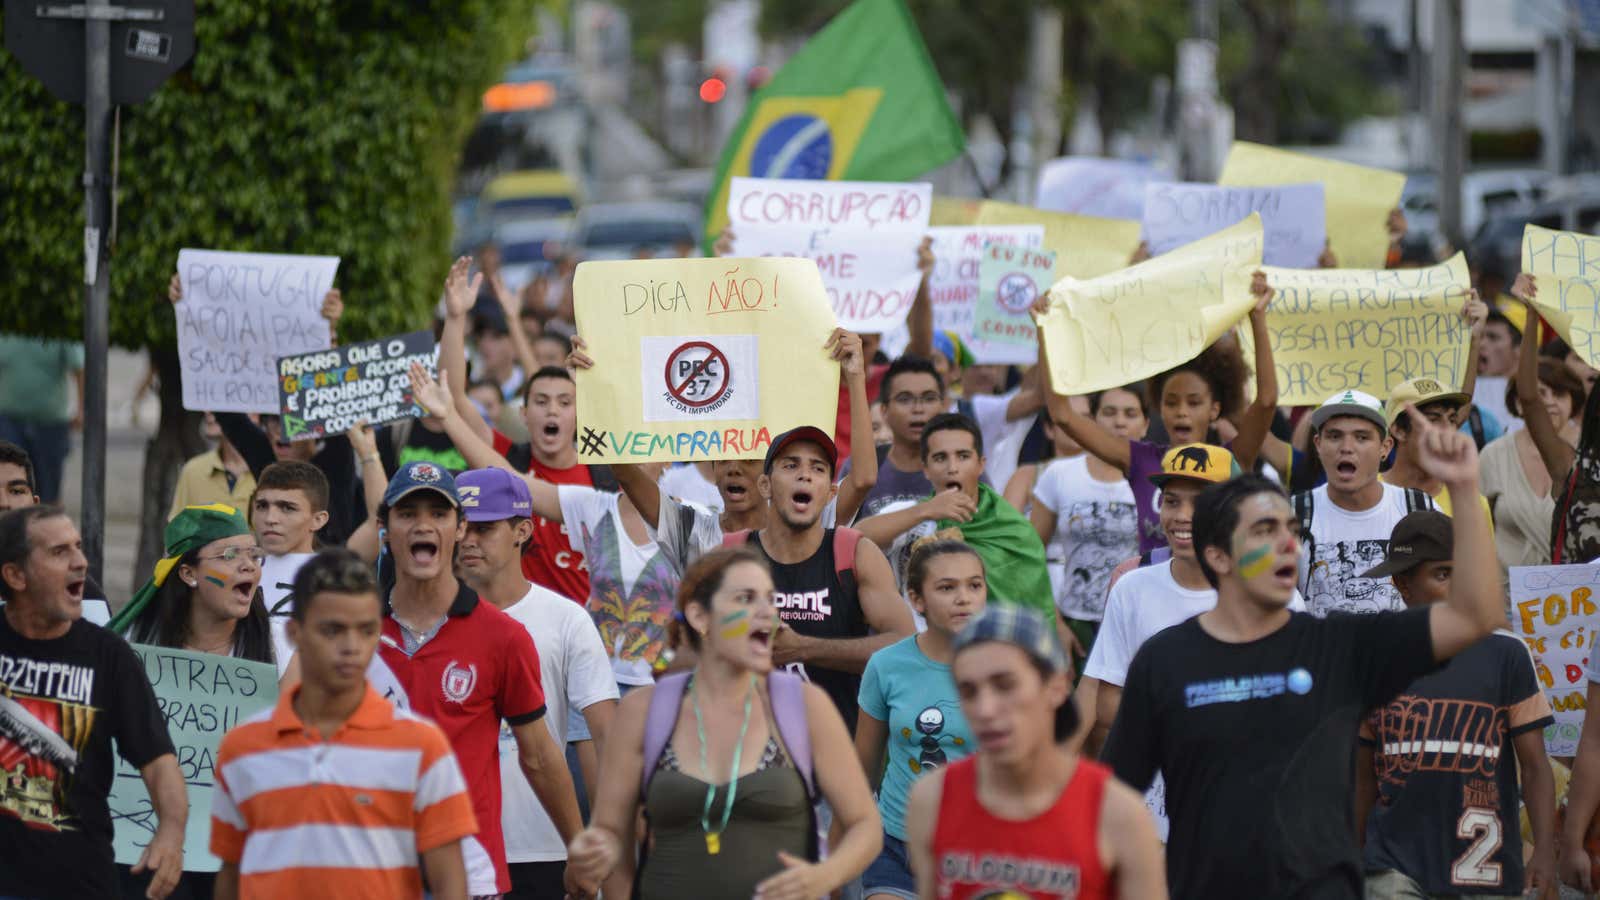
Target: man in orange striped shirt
334, 792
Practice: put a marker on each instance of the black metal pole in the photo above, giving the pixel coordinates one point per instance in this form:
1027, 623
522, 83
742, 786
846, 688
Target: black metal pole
97, 281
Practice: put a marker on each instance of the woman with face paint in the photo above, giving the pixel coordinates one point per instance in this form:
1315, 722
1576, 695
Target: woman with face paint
205, 595
721, 759
909, 707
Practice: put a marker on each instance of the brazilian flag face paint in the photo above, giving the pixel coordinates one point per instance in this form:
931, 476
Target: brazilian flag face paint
1255, 562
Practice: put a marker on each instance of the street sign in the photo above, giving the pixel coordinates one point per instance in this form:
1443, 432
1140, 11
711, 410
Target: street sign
150, 40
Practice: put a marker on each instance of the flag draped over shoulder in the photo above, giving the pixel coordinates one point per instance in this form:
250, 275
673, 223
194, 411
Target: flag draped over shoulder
1011, 551
860, 101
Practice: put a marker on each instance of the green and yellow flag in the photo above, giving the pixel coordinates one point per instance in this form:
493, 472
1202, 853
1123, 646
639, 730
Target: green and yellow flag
860, 101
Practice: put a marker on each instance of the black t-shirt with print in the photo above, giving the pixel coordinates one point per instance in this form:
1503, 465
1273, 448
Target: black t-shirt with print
1257, 744
62, 702
1446, 769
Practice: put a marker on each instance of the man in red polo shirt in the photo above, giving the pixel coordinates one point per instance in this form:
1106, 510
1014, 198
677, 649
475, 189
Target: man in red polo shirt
466, 665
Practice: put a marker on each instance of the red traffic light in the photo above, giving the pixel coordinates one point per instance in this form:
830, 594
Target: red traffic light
713, 89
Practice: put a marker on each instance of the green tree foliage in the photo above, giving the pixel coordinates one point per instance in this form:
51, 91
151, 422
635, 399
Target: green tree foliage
301, 126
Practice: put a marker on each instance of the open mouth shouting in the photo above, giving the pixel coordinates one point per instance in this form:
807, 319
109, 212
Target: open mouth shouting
424, 551
75, 589
801, 500
1182, 433
1345, 468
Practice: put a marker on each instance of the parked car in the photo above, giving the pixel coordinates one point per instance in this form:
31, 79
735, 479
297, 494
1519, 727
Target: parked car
628, 230
528, 194
1497, 247
1484, 193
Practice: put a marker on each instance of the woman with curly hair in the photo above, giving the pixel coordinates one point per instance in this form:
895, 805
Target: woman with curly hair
1190, 398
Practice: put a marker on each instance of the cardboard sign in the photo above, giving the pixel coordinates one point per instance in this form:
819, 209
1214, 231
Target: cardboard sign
201, 696
1553, 611
240, 312
1365, 329
701, 359
332, 391
1131, 324
862, 235
1085, 247
1091, 186
1291, 217
1358, 198
1566, 271
1011, 278
953, 283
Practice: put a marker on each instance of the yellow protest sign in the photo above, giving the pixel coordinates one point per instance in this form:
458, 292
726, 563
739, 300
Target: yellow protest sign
952, 211
1085, 246
1358, 198
1566, 270
1368, 330
701, 359
1143, 320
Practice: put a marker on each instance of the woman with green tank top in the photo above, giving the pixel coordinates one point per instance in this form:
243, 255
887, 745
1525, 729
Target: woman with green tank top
727, 810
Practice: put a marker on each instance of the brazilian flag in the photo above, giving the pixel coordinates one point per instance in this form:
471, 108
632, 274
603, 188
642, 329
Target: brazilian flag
860, 101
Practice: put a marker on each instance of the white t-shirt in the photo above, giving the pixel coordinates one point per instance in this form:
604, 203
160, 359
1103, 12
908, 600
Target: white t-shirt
1141, 604
575, 674
277, 583
686, 483
632, 587
1343, 545
1002, 440
1096, 529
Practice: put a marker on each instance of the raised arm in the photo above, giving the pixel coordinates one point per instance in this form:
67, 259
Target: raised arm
1476, 604
460, 292
845, 348
1256, 422
511, 306
1088, 433
1476, 314
919, 321
434, 396
364, 540
641, 489
1557, 454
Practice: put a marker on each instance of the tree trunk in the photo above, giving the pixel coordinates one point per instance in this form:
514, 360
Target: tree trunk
1255, 106
177, 438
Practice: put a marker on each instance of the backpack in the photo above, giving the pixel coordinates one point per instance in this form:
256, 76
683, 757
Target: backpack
1305, 505
844, 546
787, 692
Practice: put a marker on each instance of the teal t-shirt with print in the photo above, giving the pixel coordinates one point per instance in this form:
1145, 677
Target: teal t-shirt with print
916, 698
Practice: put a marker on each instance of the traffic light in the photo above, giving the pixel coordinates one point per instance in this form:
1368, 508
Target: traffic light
713, 89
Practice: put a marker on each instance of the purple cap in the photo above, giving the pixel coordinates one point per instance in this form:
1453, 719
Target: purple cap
489, 495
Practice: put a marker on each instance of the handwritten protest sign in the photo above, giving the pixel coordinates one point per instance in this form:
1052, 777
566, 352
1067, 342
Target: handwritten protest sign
1553, 611
240, 312
332, 391
951, 211
1085, 247
1359, 198
201, 696
701, 358
1566, 271
1365, 329
1090, 186
1131, 324
862, 235
1291, 216
1010, 279
953, 283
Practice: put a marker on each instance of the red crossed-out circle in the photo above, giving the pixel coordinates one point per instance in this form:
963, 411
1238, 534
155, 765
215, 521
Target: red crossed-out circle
679, 391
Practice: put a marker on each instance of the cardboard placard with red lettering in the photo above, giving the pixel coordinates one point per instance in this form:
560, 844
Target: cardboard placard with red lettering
862, 235
1553, 610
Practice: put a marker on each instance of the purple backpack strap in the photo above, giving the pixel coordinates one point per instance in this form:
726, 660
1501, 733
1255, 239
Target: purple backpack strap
660, 720
789, 711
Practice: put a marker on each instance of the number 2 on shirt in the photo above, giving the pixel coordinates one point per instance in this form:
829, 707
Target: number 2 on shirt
1473, 868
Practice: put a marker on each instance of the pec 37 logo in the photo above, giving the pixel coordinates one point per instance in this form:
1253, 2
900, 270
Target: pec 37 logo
699, 378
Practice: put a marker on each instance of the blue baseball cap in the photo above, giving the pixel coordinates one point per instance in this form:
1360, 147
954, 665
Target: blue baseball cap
490, 495
421, 476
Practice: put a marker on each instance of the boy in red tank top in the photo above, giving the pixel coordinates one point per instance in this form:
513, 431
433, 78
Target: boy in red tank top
1025, 816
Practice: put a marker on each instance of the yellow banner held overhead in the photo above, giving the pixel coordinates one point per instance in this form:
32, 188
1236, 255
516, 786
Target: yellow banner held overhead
701, 359
1140, 321
1367, 330
1358, 199
1566, 272
1085, 246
